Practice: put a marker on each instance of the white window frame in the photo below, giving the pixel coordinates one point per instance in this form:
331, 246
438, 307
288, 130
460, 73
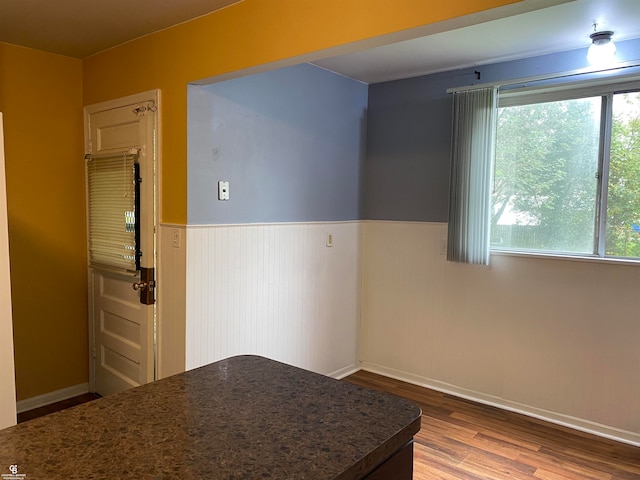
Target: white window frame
570, 91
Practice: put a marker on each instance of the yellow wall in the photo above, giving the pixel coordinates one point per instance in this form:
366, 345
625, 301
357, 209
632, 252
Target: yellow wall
41, 98
247, 34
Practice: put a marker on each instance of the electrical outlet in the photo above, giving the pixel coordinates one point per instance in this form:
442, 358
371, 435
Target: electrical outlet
176, 238
443, 245
329, 241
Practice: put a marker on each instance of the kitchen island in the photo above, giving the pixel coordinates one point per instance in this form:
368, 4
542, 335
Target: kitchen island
245, 417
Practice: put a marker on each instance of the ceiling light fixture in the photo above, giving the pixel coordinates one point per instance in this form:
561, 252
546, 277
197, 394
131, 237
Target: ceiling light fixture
602, 50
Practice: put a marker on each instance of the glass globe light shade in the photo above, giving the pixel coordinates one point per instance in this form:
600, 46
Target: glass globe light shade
602, 50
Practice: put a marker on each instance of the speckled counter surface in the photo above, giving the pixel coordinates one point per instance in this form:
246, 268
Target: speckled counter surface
244, 417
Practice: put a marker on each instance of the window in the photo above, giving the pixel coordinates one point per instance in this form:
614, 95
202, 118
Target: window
567, 172
113, 209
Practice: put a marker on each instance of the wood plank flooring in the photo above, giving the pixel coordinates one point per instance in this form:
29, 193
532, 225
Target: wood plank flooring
54, 407
464, 440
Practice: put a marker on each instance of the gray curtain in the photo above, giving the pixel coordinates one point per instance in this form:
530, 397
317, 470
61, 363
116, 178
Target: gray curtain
474, 135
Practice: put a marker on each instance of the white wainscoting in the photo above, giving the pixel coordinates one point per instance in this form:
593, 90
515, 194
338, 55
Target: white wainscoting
552, 338
171, 307
274, 290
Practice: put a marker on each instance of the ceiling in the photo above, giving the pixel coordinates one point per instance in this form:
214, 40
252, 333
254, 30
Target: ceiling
80, 28
548, 30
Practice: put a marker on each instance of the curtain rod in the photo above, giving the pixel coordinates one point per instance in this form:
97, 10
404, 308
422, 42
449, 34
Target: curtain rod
542, 77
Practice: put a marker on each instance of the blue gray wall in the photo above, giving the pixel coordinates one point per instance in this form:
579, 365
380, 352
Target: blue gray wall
304, 144
409, 133
290, 142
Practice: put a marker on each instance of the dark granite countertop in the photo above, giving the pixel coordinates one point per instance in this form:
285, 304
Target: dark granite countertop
244, 417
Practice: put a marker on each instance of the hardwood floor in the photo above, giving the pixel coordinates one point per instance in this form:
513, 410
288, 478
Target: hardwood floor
464, 440
54, 407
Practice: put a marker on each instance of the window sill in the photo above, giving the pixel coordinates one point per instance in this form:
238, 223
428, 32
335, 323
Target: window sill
570, 258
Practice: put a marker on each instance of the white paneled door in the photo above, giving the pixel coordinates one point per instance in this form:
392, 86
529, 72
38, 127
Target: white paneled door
121, 297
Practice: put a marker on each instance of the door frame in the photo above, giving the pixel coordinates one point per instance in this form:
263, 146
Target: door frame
7, 364
141, 98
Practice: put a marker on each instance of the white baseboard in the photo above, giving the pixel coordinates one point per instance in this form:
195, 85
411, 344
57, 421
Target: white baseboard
344, 372
51, 397
605, 431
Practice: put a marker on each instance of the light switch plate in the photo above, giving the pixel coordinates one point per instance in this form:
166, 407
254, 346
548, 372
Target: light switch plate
223, 190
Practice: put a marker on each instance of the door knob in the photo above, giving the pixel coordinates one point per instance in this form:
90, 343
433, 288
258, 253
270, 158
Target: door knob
146, 285
140, 285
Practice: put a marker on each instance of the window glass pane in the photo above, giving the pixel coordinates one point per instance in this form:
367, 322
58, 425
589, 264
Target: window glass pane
623, 203
545, 184
111, 211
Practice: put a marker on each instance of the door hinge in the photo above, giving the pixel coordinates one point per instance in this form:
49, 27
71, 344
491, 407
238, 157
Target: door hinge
145, 107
